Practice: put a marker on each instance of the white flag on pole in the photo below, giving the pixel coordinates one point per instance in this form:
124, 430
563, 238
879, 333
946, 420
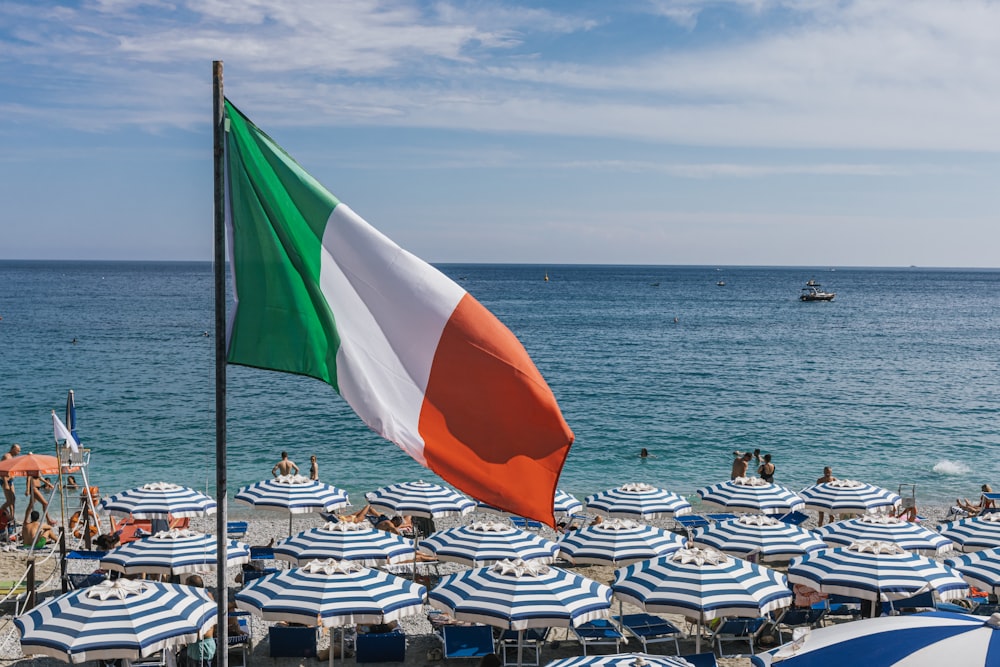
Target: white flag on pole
62, 433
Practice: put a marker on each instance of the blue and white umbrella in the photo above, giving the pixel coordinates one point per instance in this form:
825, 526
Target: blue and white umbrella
113, 620
770, 539
974, 533
518, 595
488, 542
294, 494
877, 571
702, 584
563, 505
914, 640
847, 496
71, 415
621, 660
617, 542
159, 500
883, 528
333, 593
751, 494
420, 499
173, 552
638, 501
345, 540
979, 568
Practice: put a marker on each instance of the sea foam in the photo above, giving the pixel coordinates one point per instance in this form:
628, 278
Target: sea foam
948, 467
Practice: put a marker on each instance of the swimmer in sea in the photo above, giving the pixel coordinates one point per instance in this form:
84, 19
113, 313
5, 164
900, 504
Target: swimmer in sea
643, 453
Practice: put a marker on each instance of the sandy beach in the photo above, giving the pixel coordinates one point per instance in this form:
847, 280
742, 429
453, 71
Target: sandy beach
265, 527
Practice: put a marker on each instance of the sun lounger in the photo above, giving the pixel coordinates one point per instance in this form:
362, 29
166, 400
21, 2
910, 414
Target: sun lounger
291, 641
241, 642
799, 617
721, 517
737, 630
466, 641
531, 646
702, 659
525, 524
600, 632
794, 518
650, 629
237, 529
690, 522
380, 646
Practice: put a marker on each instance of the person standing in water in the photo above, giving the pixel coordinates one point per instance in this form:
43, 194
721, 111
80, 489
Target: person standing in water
285, 466
313, 468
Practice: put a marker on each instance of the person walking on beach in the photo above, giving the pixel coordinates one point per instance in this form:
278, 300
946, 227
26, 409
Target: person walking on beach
285, 466
766, 469
740, 465
313, 468
827, 477
7, 483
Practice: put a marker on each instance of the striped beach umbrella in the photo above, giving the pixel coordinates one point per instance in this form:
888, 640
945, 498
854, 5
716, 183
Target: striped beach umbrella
702, 584
751, 494
979, 568
877, 571
114, 620
617, 542
621, 660
975, 532
882, 528
638, 501
563, 505
294, 494
159, 500
848, 496
487, 542
518, 595
345, 540
334, 593
173, 552
913, 640
420, 499
771, 539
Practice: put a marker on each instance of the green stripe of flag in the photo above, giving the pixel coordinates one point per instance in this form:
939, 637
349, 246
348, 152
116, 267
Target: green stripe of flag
279, 213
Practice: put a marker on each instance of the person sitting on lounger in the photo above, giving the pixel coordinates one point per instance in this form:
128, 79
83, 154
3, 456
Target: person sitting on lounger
37, 534
983, 503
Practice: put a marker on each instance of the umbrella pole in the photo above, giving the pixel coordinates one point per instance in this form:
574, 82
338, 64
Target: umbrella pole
697, 637
520, 647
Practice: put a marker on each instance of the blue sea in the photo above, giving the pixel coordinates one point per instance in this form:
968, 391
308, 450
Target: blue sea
896, 381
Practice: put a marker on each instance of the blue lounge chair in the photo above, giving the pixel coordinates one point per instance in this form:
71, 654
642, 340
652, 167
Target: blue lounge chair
466, 641
236, 529
531, 646
600, 632
702, 659
291, 642
794, 518
241, 641
525, 524
380, 647
690, 522
650, 629
798, 617
737, 630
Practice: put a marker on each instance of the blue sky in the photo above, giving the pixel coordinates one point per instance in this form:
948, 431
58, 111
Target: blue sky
813, 132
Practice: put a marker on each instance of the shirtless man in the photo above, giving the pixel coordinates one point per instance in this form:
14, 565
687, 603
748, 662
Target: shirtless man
285, 466
7, 484
33, 532
740, 466
827, 477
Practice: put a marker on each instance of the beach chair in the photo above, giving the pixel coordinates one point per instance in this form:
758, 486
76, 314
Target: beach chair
13, 595
466, 641
600, 632
737, 630
688, 523
986, 609
794, 518
721, 517
237, 529
650, 629
288, 641
843, 607
799, 617
380, 646
525, 524
240, 643
531, 646
702, 659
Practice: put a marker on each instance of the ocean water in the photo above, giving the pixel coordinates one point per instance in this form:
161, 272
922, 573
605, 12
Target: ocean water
896, 381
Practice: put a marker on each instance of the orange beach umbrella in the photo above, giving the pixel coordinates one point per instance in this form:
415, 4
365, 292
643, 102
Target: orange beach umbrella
30, 465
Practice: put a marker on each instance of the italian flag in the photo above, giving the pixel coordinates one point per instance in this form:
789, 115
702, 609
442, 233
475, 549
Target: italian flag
320, 292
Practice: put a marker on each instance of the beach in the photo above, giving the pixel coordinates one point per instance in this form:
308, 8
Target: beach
265, 527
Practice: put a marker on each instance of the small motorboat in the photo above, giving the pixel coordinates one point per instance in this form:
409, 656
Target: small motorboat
813, 292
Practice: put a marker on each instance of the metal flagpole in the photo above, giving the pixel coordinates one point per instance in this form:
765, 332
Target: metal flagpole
222, 516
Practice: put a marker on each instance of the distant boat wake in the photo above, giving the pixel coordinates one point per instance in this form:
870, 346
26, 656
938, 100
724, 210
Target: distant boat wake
947, 467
